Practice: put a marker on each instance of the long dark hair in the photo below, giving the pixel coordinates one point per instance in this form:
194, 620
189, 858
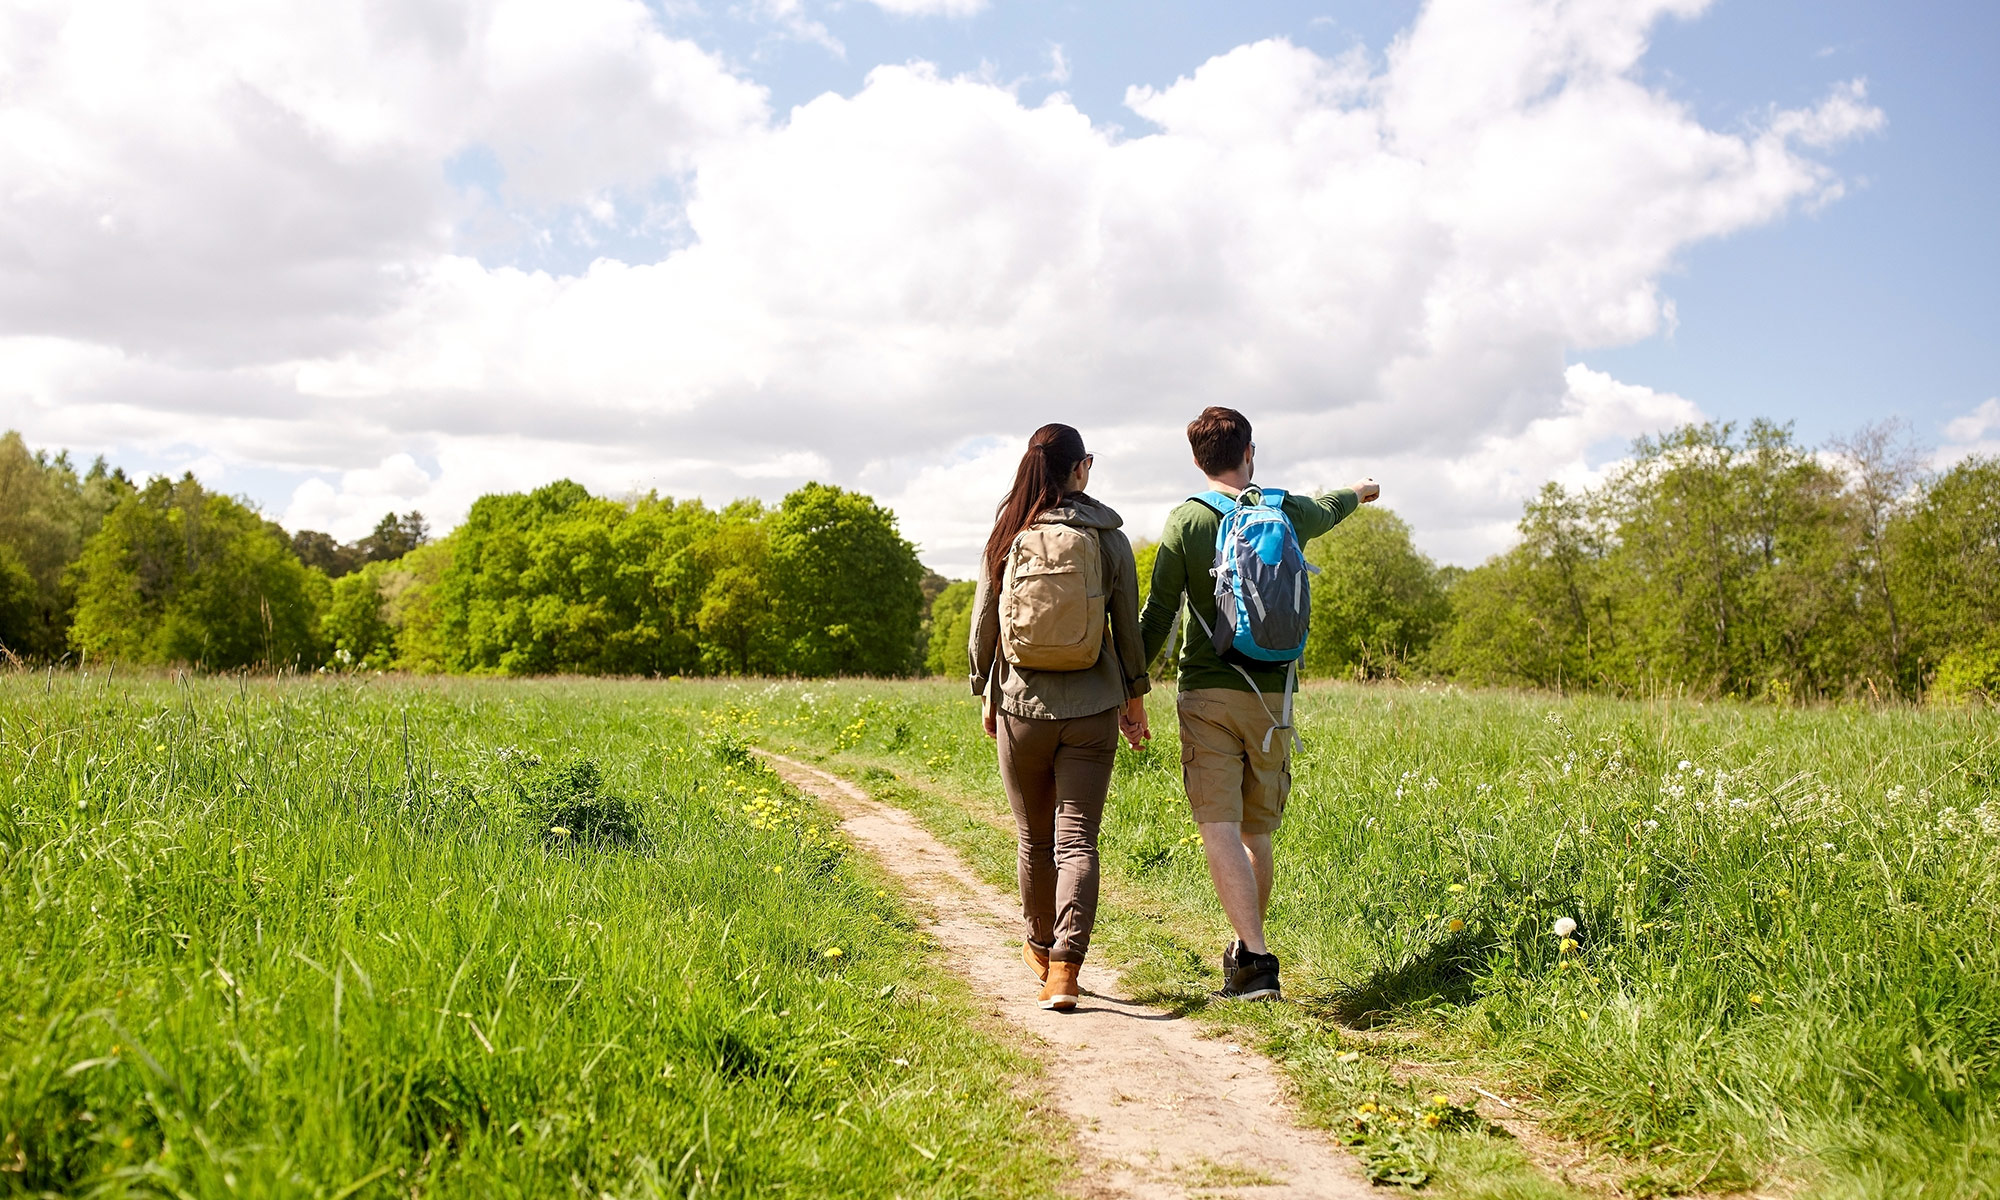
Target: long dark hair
1052, 454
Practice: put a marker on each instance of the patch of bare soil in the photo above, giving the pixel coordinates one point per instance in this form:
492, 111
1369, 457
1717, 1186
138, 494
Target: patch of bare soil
1161, 1111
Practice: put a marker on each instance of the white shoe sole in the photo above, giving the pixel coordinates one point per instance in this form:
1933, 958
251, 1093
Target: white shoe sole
1060, 1002
1259, 994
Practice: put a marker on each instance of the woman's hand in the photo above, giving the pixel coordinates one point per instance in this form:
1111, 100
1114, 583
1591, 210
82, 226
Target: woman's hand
987, 717
1132, 722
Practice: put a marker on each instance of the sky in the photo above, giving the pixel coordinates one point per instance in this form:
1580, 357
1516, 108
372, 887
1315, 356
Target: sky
351, 256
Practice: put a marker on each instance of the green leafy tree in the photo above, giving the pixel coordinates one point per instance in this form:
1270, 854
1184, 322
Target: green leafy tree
20, 608
951, 631
409, 589
848, 588
738, 631
321, 552
1376, 603
393, 537
357, 623
1945, 560
178, 574
557, 580
47, 512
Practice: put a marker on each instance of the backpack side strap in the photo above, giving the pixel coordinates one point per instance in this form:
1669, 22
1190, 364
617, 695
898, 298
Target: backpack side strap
1220, 502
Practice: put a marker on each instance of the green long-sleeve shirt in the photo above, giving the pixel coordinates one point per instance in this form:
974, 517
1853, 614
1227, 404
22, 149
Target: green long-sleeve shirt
1187, 551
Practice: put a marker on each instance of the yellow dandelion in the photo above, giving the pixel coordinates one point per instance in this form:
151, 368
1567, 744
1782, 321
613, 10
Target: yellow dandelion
1441, 1100
559, 830
1456, 924
1456, 887
831, 952
1756, 999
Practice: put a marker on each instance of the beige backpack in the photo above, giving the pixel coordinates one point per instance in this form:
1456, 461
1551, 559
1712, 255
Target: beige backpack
1052, 599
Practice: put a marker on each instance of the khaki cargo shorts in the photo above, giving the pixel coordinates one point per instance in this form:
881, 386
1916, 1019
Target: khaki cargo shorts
1228, 773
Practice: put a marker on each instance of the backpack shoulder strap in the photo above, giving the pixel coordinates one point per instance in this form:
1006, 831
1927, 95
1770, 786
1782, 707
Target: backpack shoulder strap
1222, 504
1274, 497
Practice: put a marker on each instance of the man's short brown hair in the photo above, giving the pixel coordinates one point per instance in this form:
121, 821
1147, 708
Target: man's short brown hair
1221, 438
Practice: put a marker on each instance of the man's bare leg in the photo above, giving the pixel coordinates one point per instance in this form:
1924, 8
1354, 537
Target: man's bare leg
1259, 847
1242, 876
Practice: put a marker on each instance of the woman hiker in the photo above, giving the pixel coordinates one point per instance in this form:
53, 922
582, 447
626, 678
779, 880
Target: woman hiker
1058, 660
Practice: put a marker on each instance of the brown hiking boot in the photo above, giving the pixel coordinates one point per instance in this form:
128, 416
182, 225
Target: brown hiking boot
1037, 958
1060, 990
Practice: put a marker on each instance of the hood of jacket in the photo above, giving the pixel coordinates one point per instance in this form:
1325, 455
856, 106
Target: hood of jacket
1079, 509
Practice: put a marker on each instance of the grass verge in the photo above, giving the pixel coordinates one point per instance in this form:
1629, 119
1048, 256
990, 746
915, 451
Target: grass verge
346, 938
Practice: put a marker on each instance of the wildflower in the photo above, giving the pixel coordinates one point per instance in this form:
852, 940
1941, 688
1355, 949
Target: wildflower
1756, 999
1456, 925
1351, 1056
1432, 1120
1684, 765
1568, 945
1368, 1108
1651, 825
831, 952
1440, 1100
1565, 926
559, 830
1456, 887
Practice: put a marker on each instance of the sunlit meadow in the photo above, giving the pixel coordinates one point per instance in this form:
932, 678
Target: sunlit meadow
367, 938
1722, 943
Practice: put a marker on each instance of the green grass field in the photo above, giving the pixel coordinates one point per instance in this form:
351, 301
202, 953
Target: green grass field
1784, 970
359, 938
331, 938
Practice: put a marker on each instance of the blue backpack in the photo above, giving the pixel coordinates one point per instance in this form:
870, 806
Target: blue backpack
1263, 598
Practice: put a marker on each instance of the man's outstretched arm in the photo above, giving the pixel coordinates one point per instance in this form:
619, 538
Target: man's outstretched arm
1313, 516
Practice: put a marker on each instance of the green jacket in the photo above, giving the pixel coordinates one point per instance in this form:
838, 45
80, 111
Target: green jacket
1119, 672
1187, 552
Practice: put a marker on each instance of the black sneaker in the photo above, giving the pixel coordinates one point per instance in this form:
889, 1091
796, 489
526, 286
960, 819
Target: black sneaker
1247, 976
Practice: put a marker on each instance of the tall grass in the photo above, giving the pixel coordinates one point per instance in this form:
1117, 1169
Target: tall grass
1784, 961
488, 939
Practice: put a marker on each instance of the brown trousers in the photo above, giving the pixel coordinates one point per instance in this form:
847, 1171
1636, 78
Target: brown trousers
1057, 774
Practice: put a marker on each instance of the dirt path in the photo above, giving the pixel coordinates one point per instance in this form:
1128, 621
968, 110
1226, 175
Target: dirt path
1162, 1111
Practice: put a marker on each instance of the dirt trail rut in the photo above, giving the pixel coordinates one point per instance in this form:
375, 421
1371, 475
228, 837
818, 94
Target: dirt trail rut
1162, 1111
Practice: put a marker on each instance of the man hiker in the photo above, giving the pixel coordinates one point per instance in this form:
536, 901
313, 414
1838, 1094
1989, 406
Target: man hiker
1248, 609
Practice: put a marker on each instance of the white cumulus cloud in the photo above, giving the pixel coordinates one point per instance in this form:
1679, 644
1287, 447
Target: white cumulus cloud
931, 8
1977, 432
1391, 265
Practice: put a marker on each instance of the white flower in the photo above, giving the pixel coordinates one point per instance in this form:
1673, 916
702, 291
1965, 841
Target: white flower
1685, 764
1651, 825
1564, 927
1988, 818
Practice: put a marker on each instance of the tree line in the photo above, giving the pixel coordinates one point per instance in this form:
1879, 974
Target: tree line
1716, 559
